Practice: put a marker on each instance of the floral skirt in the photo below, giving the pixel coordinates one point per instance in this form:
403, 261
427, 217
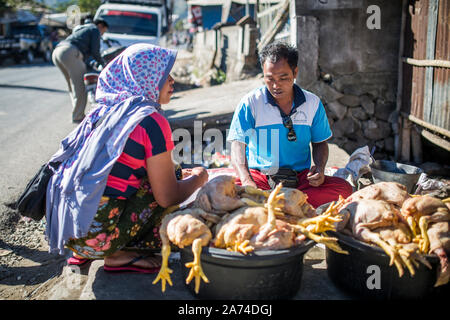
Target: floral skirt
131, 224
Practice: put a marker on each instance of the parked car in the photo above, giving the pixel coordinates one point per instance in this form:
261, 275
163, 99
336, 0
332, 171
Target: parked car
26, 42
133, 21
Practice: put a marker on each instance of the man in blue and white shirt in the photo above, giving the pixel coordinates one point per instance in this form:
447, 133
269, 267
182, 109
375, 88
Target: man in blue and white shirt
273, 127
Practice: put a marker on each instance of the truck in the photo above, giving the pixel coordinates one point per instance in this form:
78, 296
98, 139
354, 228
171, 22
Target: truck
27, 42
133, 21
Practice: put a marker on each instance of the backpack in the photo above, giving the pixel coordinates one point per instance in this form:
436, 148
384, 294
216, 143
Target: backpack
32, 201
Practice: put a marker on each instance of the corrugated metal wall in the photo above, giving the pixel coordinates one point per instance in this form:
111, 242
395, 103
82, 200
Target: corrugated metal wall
440, 114
426, 90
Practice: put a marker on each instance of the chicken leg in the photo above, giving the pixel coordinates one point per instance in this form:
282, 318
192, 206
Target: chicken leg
272, 201
324, 222
407, 261
329, 242
252, 191
409, 258
373, 237
412, 225
242, 247
165, 271
195, 266
424, 244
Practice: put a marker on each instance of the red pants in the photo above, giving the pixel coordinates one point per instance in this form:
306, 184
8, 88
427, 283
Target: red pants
326, 192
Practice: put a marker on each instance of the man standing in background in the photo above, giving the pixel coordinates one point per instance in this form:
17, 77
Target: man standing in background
70, 57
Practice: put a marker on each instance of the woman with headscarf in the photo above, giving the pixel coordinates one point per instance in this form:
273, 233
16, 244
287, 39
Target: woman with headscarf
116, 176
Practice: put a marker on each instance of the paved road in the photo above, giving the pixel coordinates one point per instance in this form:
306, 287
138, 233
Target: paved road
35, 114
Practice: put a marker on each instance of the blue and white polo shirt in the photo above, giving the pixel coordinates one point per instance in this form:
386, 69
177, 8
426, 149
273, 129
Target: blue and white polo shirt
257, 122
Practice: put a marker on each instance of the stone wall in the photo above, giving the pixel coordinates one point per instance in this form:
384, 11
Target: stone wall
231, 49
352, 68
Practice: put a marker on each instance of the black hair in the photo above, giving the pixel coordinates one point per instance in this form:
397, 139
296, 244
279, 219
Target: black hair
278, 50
101, 21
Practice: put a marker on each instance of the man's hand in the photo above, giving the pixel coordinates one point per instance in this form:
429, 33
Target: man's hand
239, 163
315, 176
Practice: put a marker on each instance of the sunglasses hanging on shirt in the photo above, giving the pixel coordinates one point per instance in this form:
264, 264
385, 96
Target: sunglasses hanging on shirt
287, 122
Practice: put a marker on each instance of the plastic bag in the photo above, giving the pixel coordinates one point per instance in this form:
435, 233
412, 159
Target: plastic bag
357, 165
434, 187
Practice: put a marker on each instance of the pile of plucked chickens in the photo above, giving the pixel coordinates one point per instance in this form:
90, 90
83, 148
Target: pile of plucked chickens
243, 219
405, 226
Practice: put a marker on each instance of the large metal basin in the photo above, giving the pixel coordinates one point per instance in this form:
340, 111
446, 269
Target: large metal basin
390, 171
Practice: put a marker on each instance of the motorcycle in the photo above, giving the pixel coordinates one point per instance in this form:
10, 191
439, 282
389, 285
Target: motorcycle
113, 49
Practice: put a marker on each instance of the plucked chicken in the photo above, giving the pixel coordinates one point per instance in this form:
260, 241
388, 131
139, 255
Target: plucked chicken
221, 195
245, 219
376, 221
391, 192
183, 228
241, 232
429, 218
254, 227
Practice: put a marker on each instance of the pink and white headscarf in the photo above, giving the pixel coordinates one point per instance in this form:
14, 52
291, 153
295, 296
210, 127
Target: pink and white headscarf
139, 71
127, 91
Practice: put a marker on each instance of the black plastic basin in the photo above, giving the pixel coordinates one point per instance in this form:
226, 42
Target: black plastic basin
261, 275
355, 273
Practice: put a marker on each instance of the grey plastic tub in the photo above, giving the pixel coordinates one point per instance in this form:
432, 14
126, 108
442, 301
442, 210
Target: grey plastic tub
390, 171
261, 275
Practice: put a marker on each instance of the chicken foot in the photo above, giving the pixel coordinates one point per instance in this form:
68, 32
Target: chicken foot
325, 221
272, 201
329, 242
242, 247
424, 243
412, 258
246, 192
195, 266
165, 271
407, 261
252, 191
373, 237
412, 225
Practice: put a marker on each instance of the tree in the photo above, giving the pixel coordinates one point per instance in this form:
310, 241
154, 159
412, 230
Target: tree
8, 5
62, 6
90, 6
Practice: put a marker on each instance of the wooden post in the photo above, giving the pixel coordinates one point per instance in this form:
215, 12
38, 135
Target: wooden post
275, 26
406, 140
433, 7
416, 144
398, 131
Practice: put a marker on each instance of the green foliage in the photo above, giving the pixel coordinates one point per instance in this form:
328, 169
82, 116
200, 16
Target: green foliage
90, 6
179, 25
85, 5
220, 77
18, 3
13, 5
62, 6
3, 4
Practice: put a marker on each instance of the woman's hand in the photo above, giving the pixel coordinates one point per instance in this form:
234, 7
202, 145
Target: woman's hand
166, 188
201, 173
